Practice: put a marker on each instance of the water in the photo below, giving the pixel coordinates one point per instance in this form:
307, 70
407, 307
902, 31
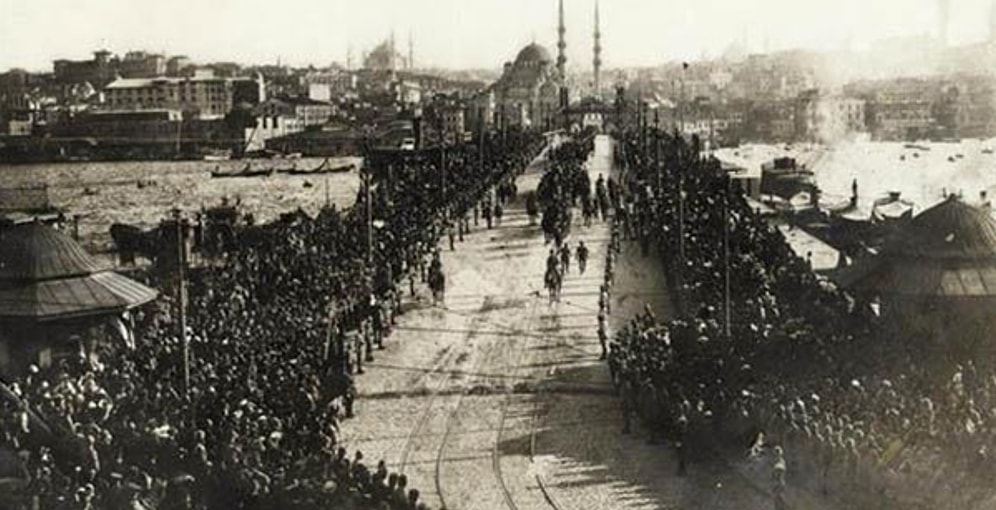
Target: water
922, 176
103, 193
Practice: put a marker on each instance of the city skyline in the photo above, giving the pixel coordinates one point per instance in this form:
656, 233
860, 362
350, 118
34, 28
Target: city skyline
460, 35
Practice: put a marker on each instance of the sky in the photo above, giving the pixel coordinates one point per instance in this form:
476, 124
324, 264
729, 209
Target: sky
461, 34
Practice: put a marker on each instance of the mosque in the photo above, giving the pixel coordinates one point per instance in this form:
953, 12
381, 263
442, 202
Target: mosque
533, 89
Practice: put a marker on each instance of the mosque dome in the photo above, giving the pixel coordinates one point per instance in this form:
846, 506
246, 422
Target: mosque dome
533, 55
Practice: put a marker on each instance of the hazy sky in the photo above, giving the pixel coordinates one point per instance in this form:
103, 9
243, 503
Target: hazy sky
458, 33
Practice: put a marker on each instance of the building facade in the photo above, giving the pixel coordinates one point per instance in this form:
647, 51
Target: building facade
202, 97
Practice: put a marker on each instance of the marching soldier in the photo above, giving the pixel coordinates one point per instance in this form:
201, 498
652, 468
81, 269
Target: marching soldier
582, 254
379, 315
603, 336
349, 396
565, 258
368, 334
604, 304
681, 433
355, 345
610, 275
614, 367
486, 210
778, 471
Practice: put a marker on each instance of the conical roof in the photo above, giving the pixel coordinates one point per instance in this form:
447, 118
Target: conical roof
34, 251
950, 230
948, 250
46, 275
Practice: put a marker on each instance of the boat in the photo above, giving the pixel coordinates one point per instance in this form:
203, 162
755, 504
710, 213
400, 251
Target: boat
892, 208
786, 178
246, 171
217, 155
324, 168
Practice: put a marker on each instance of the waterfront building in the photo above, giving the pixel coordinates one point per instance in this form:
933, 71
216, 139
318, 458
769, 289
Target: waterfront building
204, 97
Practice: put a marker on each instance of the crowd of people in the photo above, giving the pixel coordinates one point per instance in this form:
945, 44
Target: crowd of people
277, 329
564, 185
801, 370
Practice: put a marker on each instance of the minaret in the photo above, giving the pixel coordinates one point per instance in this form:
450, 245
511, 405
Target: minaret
598, 55
943, 20
411, 51
561, 47
394, 53
992, 23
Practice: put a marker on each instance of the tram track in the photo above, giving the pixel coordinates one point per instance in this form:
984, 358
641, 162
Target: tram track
496, 449
483, 360
423, 418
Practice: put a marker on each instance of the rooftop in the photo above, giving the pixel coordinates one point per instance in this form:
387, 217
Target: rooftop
136, 83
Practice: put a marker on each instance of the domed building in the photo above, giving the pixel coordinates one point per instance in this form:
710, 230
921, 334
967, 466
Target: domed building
527, 94
936, 280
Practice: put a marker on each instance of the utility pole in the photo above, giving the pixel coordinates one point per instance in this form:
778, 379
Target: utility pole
328, 199
712, 129
643, 126
181, 293
480, 140
726, 264
442, 164
681, 102
658, 167
369, 204
681, 212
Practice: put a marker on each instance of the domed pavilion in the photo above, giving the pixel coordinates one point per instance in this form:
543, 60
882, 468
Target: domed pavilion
936, 280
55, 299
